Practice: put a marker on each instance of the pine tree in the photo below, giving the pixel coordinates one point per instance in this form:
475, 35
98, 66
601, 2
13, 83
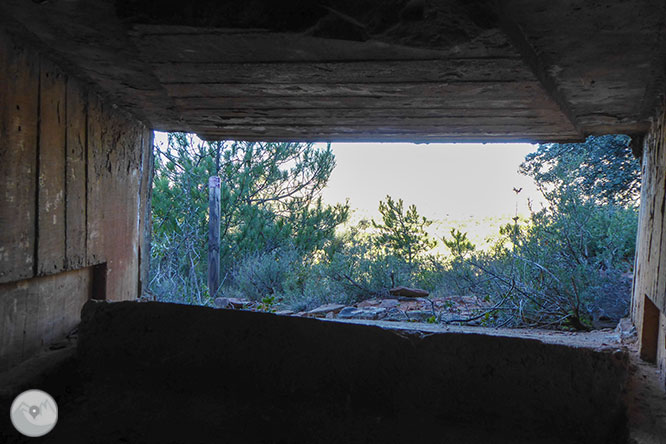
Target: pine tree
270, 198
403, 232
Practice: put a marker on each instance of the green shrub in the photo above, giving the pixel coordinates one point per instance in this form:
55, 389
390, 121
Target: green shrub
264, 274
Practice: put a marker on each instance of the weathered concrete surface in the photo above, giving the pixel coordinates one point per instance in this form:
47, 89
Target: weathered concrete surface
74, 193
37, 312
113, 412
371, 70
37, 371
613, 52
51, 185
76, 31
19, 70
75, 174
650, 267
297, 378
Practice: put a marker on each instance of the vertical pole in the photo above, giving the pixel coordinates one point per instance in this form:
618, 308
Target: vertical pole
213, 235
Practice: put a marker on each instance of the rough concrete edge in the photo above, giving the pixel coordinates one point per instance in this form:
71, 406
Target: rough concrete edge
31, 372
617, 357
412, 333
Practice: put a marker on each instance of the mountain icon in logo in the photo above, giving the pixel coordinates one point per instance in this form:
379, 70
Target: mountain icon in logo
34, 413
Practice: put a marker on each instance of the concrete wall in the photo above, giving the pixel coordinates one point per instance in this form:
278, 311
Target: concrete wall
260, 377
74, 190
649, 293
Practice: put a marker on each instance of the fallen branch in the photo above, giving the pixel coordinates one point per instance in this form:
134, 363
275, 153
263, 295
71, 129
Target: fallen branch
490, 310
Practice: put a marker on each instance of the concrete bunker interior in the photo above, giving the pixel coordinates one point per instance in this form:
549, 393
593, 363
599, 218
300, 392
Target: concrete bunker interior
85, 83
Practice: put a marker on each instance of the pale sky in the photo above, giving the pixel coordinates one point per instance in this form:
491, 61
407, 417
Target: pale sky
455, 181
466, 186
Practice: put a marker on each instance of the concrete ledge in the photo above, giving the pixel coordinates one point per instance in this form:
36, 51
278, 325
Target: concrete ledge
34, 372
346, 369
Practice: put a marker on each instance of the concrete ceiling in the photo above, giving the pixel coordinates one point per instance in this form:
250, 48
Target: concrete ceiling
381, 70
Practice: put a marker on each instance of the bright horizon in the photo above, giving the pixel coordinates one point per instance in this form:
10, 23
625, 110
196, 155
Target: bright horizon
465, 186
443, 180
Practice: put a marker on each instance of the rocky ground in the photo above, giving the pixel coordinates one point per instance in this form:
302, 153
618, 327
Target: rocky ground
395, 308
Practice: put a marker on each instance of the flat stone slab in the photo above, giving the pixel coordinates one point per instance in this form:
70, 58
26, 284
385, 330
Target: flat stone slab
389, 303
419, 315
324, 310
234, 303
285, 312
409, 292
362, 313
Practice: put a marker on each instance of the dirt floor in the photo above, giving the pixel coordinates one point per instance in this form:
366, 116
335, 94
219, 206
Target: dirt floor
646, 403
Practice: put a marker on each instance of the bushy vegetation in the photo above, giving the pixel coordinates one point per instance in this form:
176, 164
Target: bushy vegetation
269, 204
566, 265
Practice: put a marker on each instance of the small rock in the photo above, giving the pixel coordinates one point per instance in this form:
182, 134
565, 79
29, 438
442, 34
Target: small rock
411, 304
284, 312
239, 303
368, 303
322, 311
418, 315
370, 313
409, 292
396, 315
222, 303
389, 303
626, 331
231, 303
348, 312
